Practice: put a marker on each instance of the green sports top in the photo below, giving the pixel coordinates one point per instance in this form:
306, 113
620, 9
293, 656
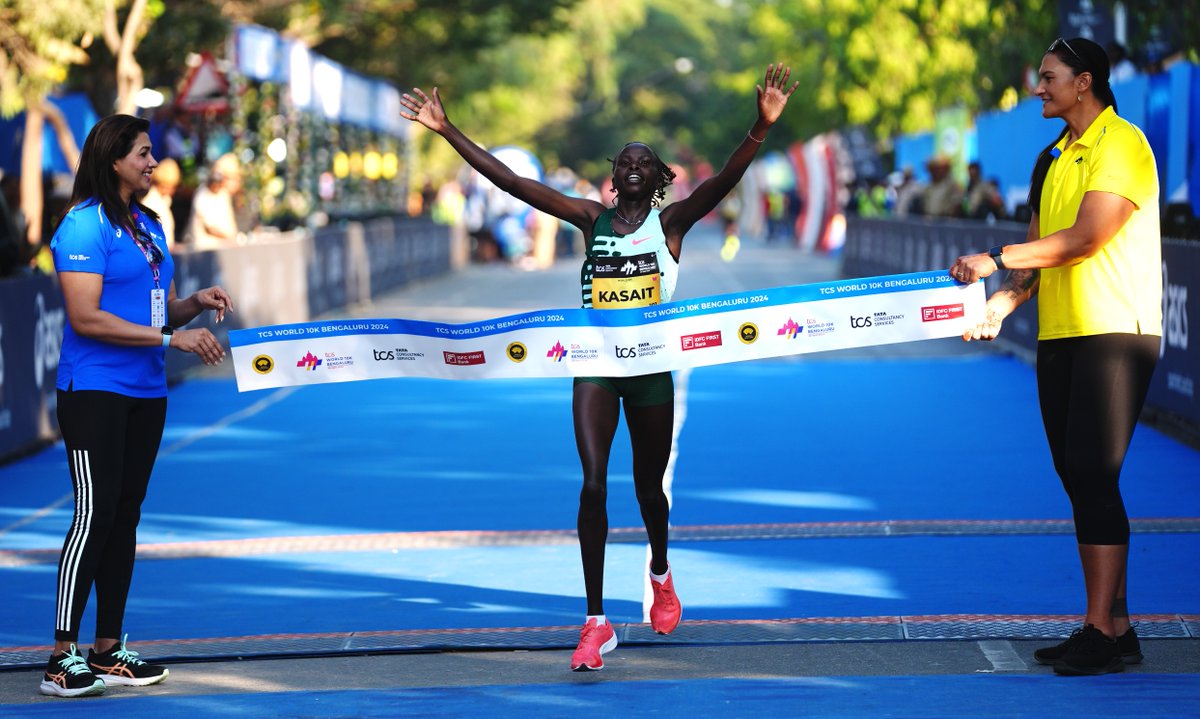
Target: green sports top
633, 270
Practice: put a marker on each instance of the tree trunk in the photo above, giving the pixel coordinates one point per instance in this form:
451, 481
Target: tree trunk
32, 200
130, 78
66, 138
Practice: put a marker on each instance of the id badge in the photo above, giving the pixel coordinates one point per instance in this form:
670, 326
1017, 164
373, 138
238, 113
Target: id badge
158, 307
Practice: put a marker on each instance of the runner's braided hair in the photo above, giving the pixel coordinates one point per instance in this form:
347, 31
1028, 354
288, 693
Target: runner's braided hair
665, 175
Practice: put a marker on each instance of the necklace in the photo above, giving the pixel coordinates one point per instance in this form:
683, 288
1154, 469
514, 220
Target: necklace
629, 222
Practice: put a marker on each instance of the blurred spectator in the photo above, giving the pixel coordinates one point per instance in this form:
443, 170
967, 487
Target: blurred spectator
570, 239
214, 222
172, 136
449, 204
513, 233
543, 234
983, 198
777, 215
12, 227
944, 195
159, 197
870, 199
56, 190
730, 210
1122, 67
474, 187
908, 194
428, 196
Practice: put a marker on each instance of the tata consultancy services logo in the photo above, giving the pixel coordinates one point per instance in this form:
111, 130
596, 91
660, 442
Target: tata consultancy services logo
557, 352
791, 330
309, 362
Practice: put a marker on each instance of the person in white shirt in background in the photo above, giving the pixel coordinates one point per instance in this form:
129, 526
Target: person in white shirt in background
163, 184
214, 223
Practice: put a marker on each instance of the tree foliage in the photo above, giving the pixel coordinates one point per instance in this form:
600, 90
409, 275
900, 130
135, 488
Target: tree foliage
891, 64
39, 41
576, 79
1177, 21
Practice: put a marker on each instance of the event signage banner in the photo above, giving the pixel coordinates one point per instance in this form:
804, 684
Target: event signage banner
1173, 386
702, 331
32, 317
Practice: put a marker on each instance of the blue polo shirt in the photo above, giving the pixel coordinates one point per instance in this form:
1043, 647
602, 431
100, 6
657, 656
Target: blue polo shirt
86, 241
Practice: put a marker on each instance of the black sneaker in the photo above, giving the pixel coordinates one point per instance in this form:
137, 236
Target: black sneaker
122, 666
1090, 653
1131, 648
67, 675
1050, 655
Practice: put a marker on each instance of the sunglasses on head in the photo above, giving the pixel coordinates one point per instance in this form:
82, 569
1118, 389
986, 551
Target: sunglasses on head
1065, 44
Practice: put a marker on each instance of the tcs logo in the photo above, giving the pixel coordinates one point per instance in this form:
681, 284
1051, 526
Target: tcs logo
626, 352
860, 321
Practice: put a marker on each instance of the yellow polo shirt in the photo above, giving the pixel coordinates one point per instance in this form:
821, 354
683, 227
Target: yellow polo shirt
1119, 289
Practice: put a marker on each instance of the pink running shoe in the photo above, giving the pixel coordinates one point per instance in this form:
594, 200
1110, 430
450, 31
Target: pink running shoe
665, 612
594, 642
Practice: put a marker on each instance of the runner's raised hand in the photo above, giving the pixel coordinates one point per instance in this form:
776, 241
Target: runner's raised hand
774, 98
424, 109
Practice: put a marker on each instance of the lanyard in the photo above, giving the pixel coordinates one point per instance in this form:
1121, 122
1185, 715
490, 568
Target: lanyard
154, 255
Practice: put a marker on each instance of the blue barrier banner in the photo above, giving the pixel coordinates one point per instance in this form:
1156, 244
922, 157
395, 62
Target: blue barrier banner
31, 325
1173, 387
897, 245
613, 343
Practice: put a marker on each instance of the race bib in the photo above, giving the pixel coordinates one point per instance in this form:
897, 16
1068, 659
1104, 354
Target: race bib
624, 282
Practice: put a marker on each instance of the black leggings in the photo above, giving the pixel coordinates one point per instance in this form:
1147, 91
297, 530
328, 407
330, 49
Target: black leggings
1091, 391
112, 442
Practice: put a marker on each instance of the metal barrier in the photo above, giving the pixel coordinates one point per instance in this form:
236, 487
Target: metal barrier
892, 246
278, 278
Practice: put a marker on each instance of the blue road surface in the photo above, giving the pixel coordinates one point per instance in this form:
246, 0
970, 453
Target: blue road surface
756, 447
849, 489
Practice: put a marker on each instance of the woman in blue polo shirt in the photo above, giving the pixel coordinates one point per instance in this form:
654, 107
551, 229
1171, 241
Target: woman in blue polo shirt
118, 284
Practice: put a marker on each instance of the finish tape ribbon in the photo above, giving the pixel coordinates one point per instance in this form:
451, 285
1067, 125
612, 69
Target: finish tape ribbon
774, 322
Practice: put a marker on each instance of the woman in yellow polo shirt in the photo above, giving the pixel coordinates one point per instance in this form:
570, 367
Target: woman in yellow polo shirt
1093, 256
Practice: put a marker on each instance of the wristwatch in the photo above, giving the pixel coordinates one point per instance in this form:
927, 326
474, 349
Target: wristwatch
996, 254
167, 332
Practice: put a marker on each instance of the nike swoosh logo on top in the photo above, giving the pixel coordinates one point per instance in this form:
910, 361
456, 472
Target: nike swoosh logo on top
638, 242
